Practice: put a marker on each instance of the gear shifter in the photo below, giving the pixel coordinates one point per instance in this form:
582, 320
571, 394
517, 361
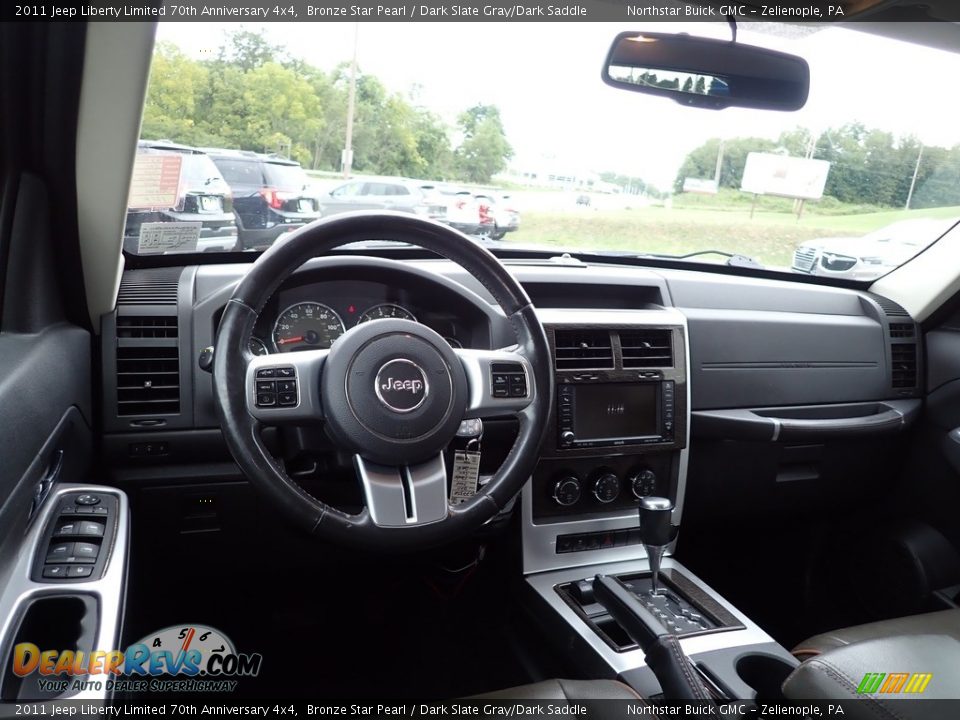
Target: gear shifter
656, 532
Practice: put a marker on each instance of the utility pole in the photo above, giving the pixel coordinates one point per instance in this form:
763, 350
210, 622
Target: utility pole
346, 160
811, 149
913, 180
716, 172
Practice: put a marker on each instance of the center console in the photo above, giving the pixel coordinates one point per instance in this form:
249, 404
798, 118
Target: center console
618, 432
605, 500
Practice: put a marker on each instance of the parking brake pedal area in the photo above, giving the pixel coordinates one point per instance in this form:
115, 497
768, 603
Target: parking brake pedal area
77, 540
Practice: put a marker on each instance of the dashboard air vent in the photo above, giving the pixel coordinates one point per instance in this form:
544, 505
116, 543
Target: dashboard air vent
891, 308
148, 380
903, 358
136, 326
583, 350
646, 348
149, 287
901, 330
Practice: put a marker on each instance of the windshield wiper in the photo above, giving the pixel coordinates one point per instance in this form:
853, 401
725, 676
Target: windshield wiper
733, 259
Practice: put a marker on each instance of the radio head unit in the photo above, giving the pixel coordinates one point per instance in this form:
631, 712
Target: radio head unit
601, 413
621, 388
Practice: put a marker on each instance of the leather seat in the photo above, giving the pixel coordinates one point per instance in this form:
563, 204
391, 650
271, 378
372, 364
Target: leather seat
943, 622
906, 658
566, 690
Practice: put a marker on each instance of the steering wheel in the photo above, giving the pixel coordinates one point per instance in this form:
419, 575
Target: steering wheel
390, 392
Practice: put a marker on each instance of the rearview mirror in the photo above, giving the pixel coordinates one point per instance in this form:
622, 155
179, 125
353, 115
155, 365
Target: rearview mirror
707, 73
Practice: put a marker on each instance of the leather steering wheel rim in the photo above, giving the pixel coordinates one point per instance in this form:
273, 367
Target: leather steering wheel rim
241, 430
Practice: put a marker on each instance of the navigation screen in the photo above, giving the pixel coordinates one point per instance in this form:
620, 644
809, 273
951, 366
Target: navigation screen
615, 410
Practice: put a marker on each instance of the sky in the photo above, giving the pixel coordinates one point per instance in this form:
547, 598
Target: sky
545, 78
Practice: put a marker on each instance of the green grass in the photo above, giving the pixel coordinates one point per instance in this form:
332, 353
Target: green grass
770, 237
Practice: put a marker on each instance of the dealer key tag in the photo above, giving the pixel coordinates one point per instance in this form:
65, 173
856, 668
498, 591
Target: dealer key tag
466, 471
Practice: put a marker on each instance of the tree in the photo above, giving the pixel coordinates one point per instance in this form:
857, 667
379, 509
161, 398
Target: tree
247, 50
176, 84
253, 97
485, 149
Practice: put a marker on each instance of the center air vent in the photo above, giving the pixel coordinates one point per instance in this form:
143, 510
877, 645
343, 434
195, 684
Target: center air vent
903, 358
148, 380
583, 350
646, 348
136, 326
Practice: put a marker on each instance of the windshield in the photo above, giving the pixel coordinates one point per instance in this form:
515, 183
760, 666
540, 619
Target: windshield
285, 177
854, 184
199, 172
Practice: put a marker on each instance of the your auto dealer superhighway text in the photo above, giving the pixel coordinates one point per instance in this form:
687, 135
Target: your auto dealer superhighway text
453, 11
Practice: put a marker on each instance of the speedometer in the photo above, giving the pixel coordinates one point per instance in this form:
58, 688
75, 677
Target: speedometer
386, 311
306, 326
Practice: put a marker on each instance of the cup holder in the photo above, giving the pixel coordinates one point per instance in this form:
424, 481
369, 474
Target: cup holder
765, 674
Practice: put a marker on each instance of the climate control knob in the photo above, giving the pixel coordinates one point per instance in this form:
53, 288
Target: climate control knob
566, 491
643, 483
606, 487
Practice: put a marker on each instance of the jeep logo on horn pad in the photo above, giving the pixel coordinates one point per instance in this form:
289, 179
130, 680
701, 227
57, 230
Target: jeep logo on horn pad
401, 385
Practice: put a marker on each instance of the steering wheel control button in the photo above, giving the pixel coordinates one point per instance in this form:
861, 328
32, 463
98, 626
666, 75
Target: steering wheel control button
402, 385
86, 499
508, 380
276, 387
54, 572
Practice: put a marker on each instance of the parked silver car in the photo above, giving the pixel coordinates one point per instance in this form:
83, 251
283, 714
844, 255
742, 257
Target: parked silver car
439, 201
871, 255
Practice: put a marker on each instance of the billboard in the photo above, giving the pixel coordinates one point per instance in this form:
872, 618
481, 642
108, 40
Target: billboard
784, 176
700, 185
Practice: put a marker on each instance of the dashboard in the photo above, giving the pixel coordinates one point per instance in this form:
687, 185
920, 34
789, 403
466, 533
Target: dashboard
709, 386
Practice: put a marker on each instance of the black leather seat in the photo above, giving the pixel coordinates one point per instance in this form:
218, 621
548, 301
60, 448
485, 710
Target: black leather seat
566, 690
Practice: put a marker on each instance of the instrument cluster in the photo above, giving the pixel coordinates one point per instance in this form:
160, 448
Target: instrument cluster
304, 323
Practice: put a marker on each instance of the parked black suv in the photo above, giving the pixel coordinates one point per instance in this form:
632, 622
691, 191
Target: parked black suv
270, 195
204, 197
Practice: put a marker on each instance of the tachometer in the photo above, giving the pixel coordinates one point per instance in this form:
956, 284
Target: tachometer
306, 326
386, 311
